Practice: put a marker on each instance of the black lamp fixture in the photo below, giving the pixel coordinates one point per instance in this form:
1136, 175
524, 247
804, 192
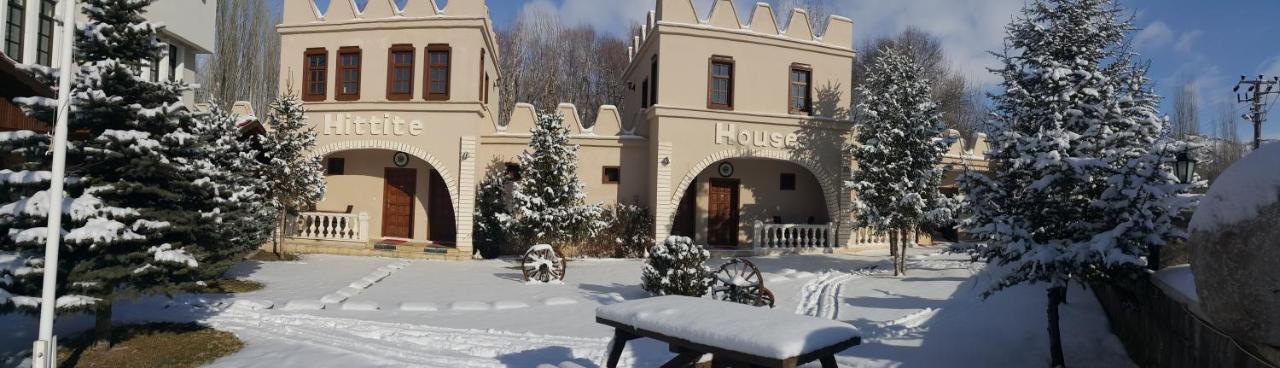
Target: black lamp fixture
1184, 168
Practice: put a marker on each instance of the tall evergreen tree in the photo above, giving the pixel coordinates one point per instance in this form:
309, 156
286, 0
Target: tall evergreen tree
242, 219
294, 178
491, 213
548, 200
135, 200
899, 145
1080, 187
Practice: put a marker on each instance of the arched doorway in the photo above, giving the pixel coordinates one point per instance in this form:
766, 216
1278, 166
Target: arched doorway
406, 194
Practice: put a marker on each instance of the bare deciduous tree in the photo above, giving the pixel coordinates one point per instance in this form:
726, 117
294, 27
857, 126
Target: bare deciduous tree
246, 64
1186, 111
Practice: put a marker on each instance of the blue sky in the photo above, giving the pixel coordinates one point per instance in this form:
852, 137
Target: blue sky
1209, 43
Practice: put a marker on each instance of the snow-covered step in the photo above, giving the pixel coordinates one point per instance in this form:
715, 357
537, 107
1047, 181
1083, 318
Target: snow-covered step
419, 307
303, 305
360, 306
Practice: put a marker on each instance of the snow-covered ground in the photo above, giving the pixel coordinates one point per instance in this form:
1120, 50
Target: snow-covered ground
397, 313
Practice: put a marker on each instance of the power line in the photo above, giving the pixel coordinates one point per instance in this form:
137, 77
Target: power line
1256, 96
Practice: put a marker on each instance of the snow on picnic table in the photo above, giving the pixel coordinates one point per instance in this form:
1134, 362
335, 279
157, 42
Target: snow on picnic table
930, 318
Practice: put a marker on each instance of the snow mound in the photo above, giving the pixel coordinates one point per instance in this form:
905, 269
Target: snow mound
334, 298
559, 300
770, 333
802, 275
562, 365
419, 307
773, 279
348, 292
253, 304
361, 284
303, 305
470, 306
1242, 191
366, 306
509, 304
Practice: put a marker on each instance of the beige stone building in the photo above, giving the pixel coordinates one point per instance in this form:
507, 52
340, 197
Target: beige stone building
730, 133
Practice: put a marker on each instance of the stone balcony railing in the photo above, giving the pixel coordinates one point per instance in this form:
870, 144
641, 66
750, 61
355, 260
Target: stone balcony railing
343, 227
794, 236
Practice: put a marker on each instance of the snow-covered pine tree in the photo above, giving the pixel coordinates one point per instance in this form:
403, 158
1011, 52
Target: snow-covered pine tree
242, 219
134, 201
491, 213
900, 143
676, 266
294, 179
1080, 186
548, 200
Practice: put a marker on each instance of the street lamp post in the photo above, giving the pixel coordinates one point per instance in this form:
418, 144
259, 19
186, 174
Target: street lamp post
1184, 169
44, 350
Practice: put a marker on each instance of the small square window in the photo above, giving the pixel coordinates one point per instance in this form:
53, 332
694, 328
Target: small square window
513, 171
787, 181
612, 175
336, 166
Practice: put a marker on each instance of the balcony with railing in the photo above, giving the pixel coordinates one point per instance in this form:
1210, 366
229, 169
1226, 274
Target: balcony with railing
329, 226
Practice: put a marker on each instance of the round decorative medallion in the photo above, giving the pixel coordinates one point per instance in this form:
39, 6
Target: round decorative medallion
400, 159
725, 169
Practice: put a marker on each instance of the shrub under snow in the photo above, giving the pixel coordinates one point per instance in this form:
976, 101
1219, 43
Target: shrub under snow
677, 266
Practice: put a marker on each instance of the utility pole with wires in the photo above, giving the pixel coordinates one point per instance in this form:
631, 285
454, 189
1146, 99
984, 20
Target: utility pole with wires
1256, 96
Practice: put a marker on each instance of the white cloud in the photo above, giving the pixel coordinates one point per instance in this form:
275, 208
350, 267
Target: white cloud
1186, 42
609, 16
1155, 35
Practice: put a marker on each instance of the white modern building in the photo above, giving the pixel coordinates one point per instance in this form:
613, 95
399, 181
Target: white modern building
31, 34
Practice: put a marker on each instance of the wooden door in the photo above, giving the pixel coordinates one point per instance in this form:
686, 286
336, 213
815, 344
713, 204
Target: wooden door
397, 202
440, 218
722, 212
685, 222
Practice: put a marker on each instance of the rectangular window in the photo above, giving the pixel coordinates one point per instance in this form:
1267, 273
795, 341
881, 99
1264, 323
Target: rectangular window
173, 63
348, 81
486, 89
336, 166
612, 175
437, 71
799, 94
44, 35
512, 171
483, 76
653, 75
720, 84
400, 72
787, 181
315, 74
154, 72
13, 33
644, 94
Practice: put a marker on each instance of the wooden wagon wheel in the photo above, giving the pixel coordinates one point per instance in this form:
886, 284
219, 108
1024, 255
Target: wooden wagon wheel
739, 281
542, 264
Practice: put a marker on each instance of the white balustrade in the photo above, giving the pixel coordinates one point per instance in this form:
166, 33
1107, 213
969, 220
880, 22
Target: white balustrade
794, 236
347, 227
867, 237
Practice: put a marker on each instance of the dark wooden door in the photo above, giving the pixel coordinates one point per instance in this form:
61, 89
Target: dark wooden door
685, 222
722, 212
440, 218
397, 202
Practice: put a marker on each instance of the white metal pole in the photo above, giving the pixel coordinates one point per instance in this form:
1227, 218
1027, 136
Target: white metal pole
44, 351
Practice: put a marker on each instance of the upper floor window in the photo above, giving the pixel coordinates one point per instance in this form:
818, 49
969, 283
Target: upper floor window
437, 80
348, 74
44, 35
653, 75
644, 94
400, 72
315, 74
484, 80
153, 73
720, 83
486, 88
173, 63
799, 94
14, 27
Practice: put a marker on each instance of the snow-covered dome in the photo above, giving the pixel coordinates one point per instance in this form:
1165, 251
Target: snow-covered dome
1235, 248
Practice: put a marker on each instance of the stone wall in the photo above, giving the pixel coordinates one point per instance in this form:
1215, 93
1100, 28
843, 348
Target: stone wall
1160, 330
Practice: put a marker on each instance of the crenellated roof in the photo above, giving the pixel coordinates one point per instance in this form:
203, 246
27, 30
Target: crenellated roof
723, 15
306, 11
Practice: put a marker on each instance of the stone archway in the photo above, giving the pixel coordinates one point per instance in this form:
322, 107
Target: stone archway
450, 180
830, 190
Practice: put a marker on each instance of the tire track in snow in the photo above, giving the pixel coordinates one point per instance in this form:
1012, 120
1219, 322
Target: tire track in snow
820, 297
399, 343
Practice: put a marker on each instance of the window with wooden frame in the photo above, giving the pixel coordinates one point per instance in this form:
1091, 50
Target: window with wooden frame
483, 78
14, 28
400, 72
437, 72
612, 175
644, 94
315, 75
347, 83
653, 75
44, 34
799, 91
787, 181
173, 63
720, 83
486, 88
335, 166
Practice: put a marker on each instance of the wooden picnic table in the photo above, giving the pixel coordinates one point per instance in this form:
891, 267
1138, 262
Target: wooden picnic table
734, 334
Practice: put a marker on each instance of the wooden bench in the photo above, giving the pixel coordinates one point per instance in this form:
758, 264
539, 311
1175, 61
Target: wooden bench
734, 334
